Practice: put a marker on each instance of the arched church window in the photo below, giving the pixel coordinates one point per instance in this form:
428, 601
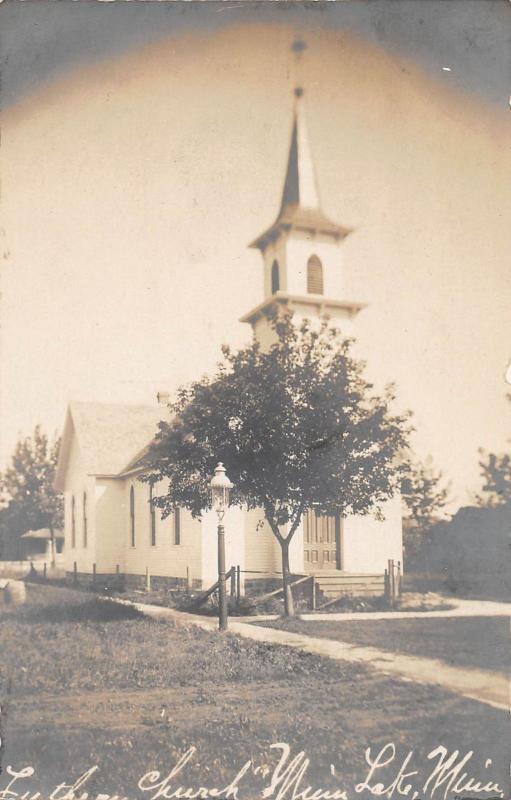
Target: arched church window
73, 522
85, 519
314, 275
177, 526
152, 511
132, 516
275, 277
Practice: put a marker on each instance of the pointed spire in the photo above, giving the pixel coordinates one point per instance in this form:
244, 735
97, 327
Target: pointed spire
300, 187
300, 208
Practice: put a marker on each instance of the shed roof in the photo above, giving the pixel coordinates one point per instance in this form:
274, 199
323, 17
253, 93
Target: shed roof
43, 533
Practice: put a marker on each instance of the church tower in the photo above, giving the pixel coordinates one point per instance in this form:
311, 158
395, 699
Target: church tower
302, 250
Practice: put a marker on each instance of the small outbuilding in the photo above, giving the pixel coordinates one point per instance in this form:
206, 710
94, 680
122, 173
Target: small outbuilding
37, 546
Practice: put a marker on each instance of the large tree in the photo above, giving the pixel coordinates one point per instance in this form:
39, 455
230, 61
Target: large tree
298, 426
496, 475
29, 498
425, 494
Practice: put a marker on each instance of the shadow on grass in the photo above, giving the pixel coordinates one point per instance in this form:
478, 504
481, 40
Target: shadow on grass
94, 610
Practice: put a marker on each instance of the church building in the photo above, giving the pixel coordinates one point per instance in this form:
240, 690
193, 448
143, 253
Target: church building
111, 526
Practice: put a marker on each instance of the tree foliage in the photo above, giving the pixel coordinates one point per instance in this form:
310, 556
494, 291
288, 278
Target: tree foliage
29, 498
297, 426
424, 495
496, 475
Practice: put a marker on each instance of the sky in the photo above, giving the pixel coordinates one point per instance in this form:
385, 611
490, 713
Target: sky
144, 146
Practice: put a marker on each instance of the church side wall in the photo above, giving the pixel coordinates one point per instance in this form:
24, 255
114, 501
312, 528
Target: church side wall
76, 483
235, 545
110, 525
262, 550
166, 558
367, 543
263, 556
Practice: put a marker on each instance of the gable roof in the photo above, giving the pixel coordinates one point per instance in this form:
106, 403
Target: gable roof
109, 436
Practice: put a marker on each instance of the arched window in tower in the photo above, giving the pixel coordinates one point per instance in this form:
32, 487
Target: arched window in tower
314, 275
132, 516
275, 277
85, 519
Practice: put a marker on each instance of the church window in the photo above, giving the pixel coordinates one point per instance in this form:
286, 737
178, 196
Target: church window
152, 511
132, 516
73, 522
314, 275
177, 526
85, 519
275, 277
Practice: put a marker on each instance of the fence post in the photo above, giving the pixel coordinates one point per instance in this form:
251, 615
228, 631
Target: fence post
94, 574
232, 575
313, 593
399, 579
75, 572
238, 582
44, 570
188, 579
392, 582
147, 580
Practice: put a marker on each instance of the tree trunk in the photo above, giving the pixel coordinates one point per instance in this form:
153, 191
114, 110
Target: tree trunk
289, 609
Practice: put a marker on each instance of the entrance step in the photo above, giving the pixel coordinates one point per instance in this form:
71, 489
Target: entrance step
339, 584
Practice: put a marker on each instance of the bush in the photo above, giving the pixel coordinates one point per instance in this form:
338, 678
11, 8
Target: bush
472, 551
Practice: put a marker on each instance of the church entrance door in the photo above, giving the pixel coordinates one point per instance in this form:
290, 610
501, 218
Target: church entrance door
321, 542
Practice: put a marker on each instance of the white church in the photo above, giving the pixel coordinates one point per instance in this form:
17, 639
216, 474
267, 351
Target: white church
111, 526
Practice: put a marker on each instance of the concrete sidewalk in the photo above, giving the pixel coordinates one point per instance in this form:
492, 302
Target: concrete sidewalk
461, 608
481, 685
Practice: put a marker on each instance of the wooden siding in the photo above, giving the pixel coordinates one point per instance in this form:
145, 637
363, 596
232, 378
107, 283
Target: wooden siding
165, 558
76, 483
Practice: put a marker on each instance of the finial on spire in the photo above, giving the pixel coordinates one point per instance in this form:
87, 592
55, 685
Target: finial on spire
300, 207
298, 48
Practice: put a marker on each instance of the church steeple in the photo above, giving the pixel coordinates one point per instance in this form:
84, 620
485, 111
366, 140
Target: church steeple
301, 250
300, 187
300, 207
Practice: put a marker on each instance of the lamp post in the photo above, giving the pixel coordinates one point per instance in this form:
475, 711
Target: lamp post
220, 487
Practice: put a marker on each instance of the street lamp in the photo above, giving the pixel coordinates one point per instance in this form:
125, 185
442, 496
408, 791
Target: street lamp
220, 487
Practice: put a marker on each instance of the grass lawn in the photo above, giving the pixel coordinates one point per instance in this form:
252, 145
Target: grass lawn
84, 682
481, 642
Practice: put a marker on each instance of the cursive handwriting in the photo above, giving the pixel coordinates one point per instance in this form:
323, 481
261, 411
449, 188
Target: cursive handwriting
389, 775
448, 773
288, 777
158, 787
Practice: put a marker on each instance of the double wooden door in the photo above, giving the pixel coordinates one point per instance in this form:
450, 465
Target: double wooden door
321, 542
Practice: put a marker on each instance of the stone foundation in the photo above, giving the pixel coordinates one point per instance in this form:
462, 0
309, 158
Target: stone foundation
122, 581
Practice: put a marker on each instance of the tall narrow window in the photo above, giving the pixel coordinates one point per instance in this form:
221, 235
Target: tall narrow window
73, 522
177, 526
132, 516
275, 277
85, 519
152, 511
314, 276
